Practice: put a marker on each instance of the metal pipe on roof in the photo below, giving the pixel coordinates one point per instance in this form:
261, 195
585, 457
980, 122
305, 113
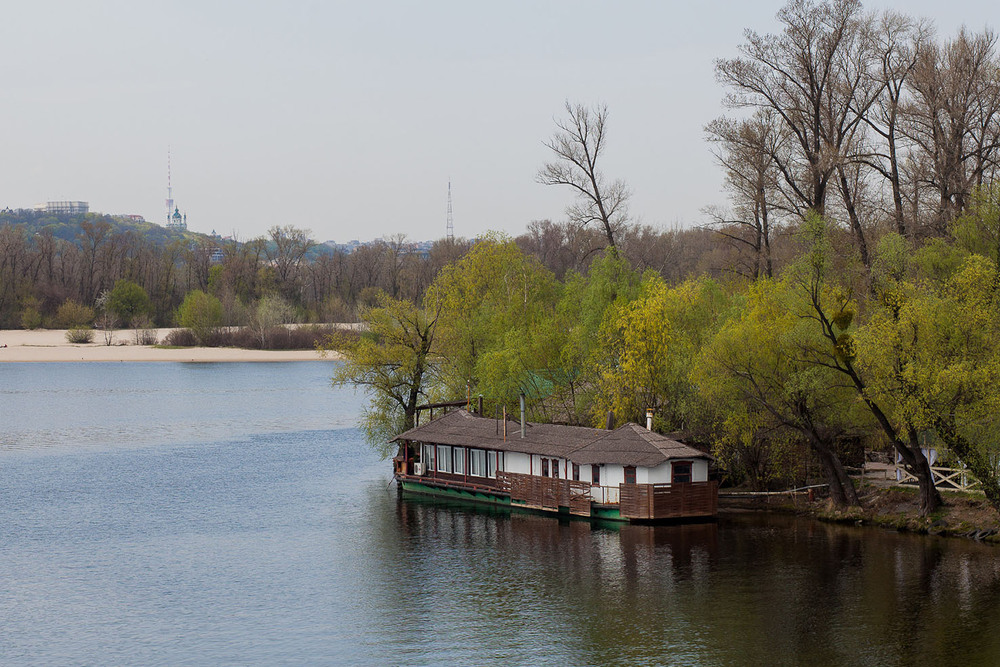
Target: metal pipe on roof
649, 419
522, 414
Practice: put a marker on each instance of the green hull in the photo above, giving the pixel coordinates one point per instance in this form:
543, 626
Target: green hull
454, 494
597, 512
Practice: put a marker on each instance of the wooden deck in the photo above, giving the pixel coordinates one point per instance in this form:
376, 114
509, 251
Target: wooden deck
650, 502
642, 502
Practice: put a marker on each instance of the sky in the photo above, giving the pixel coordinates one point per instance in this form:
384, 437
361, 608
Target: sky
349, 118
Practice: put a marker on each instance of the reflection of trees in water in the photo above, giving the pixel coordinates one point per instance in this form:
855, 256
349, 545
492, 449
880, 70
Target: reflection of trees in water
754, 589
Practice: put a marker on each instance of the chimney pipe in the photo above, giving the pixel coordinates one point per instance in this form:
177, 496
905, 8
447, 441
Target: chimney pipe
522, 414
649, 419
611, 420
480, 405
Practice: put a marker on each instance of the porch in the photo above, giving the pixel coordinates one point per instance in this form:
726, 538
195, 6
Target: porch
642, 502
651, 502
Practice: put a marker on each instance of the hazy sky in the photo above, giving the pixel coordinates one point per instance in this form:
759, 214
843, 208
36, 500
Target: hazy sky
349, 118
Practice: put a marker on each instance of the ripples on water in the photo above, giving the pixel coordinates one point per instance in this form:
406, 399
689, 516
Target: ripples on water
229, 514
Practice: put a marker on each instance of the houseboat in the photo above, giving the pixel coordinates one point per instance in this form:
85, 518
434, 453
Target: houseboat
628, 474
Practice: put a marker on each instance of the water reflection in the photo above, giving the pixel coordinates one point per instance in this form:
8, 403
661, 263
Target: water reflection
480, 584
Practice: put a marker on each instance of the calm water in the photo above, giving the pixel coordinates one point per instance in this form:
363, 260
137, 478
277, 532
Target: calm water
230, 514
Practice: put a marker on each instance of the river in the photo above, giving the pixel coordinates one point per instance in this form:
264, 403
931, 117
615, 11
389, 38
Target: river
175, 514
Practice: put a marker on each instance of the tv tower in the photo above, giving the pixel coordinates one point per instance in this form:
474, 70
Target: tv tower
174, 218
170, 194
451, 220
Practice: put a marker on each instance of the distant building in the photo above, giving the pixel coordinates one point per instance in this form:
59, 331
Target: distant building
177, 221
63, 207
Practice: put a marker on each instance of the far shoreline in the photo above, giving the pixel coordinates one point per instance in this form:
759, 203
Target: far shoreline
50, 345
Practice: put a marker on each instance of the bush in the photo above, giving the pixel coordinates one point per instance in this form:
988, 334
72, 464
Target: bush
181, 338
72, 314
278, 338
202, 314
145, 334
31, 318
80, 335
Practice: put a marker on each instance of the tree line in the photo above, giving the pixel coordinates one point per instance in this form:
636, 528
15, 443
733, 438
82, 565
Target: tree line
47, 262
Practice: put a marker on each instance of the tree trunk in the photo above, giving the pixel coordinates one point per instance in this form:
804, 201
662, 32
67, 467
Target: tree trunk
842, 490
852, 214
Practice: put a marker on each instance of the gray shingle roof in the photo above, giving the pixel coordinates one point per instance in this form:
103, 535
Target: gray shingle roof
628, 445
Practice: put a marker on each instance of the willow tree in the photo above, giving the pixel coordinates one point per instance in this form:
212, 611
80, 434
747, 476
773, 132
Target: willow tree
648, 346
932, 359
830, 309
492, 304
765, 389
392, 360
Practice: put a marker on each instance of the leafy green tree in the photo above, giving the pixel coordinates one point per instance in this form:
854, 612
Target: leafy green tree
202, 313
932, 357
580, 312
490, 301
830, 309
764, 388
129, 301
978, 229
392, 360
649, 345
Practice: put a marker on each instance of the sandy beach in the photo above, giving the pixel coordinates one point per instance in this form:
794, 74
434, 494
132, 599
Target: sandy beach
50, 345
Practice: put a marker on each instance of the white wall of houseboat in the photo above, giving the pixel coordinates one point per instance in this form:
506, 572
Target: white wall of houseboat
518, 462
663, 473
658, 475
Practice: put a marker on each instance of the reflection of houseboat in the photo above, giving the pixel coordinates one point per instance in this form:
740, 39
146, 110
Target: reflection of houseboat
629, 473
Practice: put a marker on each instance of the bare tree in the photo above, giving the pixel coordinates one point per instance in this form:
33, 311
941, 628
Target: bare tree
898, 42
745, 149
285, 252
954, 118
578, 145
816, 78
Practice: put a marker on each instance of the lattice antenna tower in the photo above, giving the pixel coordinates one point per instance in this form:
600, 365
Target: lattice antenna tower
451, 220
170, 192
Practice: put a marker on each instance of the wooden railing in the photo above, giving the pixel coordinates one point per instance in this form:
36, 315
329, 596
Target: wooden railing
955, 479
546, 492
669, 501
637, 501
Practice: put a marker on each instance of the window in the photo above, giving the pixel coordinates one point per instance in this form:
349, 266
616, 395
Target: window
545, 467
444, 458
630, 474
458, 467
495, 462
555, 468
477, 462
595, 474
428, 458
680, 472
576, 472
